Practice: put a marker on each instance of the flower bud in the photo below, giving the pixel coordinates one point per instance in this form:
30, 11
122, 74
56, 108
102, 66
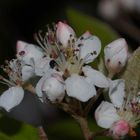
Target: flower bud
106, 115
28, 52
11, 98
116, 54
120, 129
54, 88
64, 33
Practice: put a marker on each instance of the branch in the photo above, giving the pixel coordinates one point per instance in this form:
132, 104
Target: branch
42, 133
91, 102
84, 127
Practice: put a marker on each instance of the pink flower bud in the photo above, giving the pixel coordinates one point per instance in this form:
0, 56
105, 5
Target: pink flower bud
28, 52
20, 47
64, 33
116, 54
120, 129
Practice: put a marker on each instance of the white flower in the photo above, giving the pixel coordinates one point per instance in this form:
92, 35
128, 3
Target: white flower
64, 33
27, 72
106, 115
89, 48
28, 52
54, 87
120, 116
18, 71
95, 77
11, 98
117, 92
79, 88
116, 54
42, 65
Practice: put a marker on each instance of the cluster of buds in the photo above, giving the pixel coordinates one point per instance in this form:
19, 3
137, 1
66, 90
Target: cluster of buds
62, 63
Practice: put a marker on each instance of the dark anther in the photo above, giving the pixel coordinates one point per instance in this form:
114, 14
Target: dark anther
59, 43
81, 38
52, 64
131, 88
108, 60
119, 63
73, 40
95, 52
21, 53
70, 35
72, 63
68, 41
79, 45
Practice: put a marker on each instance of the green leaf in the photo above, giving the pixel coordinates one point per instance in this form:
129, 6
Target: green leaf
132, 73
82, 23
14, 130
70, 130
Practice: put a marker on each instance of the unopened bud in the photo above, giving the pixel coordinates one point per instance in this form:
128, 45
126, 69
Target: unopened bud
116, 54
64, 33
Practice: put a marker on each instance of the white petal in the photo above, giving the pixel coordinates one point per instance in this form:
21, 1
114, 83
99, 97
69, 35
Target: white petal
79, 88
90, 49
117, 92
42, 66
27, 72
106, 115
26, 52
39, 85
54, 88
11, 98
95, 77
116, 54
82, 38
64, 33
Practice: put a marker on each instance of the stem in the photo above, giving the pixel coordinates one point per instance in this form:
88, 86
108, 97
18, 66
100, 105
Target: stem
30, 88
42, 133
111, 75
102, 133
84, 127
91, 102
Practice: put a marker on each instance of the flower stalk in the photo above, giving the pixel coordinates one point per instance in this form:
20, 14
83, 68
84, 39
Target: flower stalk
84, 127
42, 133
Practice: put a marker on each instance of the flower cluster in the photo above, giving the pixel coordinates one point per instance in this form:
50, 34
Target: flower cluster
122, 115
68, 57
62, 64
